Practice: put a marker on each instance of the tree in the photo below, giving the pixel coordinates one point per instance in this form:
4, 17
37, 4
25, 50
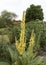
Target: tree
2, 23
7, 17
34, 12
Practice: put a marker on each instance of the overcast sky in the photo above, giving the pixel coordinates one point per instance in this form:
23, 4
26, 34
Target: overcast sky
18, 6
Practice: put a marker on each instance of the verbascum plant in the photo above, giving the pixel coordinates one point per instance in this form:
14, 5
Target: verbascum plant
24, 57
21, 44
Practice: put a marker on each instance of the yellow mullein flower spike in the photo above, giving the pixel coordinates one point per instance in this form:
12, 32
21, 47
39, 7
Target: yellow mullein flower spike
21, 46
22, 28
32, 39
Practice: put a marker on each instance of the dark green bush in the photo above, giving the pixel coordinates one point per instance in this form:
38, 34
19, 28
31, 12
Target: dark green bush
4, 54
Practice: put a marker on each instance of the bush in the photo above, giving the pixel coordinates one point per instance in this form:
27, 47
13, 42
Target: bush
4, 54
34, 12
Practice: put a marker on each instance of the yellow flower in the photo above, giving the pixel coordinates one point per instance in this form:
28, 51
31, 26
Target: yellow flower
21, 46
32, 39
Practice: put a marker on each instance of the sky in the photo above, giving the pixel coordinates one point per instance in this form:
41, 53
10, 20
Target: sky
18, 6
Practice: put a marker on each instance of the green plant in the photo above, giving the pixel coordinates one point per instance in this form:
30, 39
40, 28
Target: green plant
20, 56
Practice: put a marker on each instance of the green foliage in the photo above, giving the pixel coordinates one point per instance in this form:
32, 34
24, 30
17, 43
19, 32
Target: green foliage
43, 39
7, 15
10, 53
39, 29
4, 54
34, 12
11, 35
27, 57
4, 63
6, 18
13, 31
38, 42
2, 23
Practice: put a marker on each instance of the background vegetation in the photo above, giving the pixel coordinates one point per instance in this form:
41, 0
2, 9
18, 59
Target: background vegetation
21, 43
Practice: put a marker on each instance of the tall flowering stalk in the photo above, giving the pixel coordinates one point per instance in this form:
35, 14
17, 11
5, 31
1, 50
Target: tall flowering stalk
21, 45
31, 42
32, 39
31, 45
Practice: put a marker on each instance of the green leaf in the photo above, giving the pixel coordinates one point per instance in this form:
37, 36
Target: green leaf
4, 63
37, 61
14, 55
